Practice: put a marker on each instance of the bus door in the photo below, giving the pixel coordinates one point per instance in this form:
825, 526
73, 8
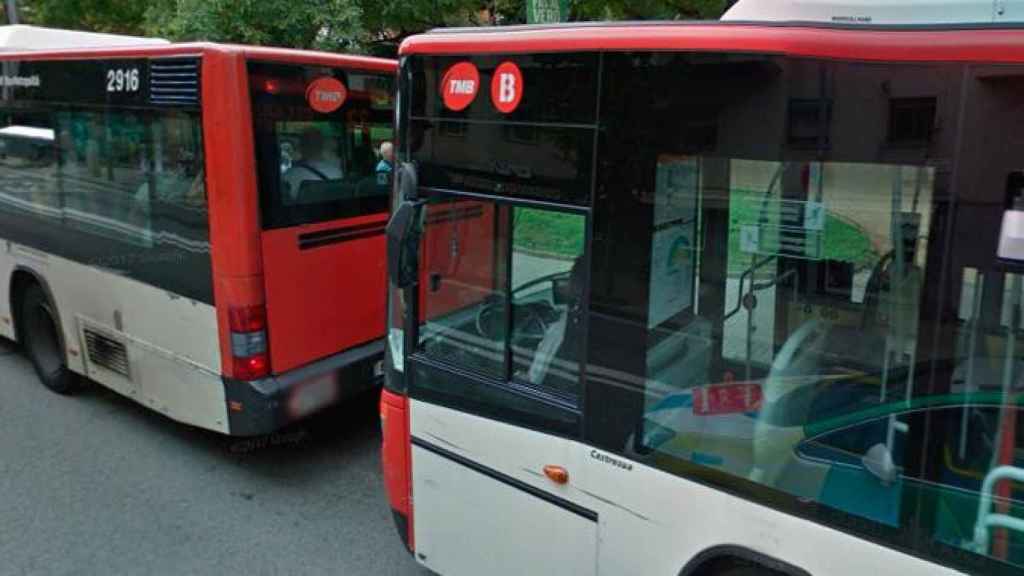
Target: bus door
495, 374
323, 150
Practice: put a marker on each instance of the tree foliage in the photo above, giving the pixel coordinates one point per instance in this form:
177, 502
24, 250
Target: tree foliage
115, 16
375, 26
646, 9
320, 24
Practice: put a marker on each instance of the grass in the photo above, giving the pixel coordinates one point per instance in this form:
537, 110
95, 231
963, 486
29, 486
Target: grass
560, 234
843, 241
550, 233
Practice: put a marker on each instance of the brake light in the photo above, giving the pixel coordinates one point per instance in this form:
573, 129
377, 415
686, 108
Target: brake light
247, 319
248, 327
252, 368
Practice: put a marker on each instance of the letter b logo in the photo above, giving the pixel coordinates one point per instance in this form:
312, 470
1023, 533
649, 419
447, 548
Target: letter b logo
507, 92
507, 87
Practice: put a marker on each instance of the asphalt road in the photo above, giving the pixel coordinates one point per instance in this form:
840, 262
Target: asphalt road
95, 484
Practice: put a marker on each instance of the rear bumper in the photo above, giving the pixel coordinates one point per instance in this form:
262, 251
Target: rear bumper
263, 406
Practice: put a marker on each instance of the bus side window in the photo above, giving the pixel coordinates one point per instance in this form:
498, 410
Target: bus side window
27, 163
548, 271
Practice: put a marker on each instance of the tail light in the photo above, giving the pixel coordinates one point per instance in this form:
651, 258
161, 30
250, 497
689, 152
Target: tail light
248, 327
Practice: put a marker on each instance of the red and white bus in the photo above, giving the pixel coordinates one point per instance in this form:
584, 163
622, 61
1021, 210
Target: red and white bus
199, 227
709, 298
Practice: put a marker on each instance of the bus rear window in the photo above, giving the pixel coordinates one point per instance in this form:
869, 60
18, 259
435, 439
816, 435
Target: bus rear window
323, 142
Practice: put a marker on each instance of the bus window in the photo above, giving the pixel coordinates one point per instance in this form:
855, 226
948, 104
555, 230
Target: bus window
27, 162
318, 164
547, 298
465, 299
521, 325
776, 305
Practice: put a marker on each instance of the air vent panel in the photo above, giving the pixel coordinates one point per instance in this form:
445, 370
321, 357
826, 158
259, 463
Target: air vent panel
106, 352
174, 81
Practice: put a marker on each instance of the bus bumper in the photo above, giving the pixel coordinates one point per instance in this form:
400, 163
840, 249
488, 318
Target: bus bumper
263, 406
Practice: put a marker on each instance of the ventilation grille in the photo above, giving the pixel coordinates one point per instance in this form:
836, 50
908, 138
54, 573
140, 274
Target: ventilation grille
174, 81
106, 352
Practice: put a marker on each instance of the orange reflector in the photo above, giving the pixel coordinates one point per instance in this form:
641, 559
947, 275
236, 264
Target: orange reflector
557, 474
235, 406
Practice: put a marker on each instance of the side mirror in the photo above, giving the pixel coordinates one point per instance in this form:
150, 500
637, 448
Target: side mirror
406, 181
403, 244
404, 229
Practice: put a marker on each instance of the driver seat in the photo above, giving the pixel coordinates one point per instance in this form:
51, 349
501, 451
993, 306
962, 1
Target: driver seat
556, 359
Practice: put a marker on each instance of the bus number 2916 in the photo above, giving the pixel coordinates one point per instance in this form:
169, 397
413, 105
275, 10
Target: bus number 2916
123, 80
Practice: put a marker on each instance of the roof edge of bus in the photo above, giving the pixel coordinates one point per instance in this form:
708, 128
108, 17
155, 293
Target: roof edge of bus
26, 37
795, 23
192, 48
705, 34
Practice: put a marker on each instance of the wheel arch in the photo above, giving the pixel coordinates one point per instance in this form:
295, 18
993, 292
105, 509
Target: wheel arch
21, 279
709, 561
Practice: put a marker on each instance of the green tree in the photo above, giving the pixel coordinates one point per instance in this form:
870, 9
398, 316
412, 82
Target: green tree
374, 26
115, 16
319, 24
387, 22
514, 11
647, 9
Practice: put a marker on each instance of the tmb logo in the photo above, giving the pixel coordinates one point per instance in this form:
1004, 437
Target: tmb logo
326, 94
460, 85
507, 87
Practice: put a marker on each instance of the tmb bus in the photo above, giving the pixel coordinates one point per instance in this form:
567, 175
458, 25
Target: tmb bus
199, 227
710, 298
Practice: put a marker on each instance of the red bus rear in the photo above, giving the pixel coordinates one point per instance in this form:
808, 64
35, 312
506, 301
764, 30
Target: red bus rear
199, 227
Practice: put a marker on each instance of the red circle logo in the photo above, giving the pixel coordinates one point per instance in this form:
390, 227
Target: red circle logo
460, 85
507, 87
326, 94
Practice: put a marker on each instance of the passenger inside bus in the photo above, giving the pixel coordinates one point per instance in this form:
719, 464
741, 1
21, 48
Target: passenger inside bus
313, 164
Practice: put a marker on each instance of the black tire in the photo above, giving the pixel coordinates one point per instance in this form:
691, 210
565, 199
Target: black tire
745, 571
43, 342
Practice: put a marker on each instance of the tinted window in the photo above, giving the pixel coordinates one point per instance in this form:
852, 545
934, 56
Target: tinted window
557, 88
769, 246
543, 149
502, 311
324, 163
120, 189
540, 162
504, 292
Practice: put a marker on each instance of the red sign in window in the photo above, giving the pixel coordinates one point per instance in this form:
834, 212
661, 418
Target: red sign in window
727, 399
459, 86
325, 95
507, 87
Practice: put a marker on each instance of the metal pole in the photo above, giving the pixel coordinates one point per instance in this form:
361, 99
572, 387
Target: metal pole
11, 8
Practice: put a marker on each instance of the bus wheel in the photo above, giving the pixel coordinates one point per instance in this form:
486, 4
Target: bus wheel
746, 571
43, 343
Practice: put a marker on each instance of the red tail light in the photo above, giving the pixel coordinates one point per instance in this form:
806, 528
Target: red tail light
249, 342
252, 368
247, 319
